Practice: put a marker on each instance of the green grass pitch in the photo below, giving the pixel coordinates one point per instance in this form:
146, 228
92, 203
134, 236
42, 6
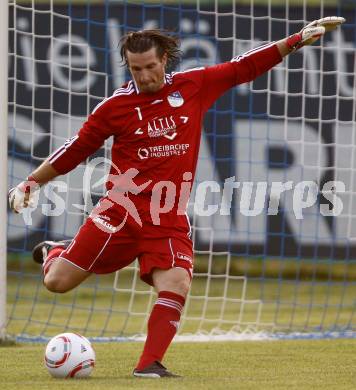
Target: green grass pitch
262, 365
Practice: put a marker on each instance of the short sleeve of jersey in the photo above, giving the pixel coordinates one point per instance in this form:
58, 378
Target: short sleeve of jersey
87, 141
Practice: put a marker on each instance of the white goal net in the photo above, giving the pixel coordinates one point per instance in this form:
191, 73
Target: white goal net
281, 268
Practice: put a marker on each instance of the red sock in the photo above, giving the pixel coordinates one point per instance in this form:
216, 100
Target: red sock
47, 262
162, 326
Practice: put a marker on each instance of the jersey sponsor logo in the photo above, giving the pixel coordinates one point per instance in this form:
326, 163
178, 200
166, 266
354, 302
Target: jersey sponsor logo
143, 153
162, 151
175, 99
184, 257
164, 126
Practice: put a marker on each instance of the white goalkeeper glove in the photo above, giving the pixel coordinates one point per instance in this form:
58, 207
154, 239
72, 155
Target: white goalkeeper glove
313, 31
24, 195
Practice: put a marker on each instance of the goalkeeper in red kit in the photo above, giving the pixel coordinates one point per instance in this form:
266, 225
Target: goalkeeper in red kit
155, 121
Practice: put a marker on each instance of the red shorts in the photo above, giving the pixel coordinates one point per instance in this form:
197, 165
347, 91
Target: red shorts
101, 252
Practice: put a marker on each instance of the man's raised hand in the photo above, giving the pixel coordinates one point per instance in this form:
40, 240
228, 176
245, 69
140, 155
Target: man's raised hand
313, 31
329, 23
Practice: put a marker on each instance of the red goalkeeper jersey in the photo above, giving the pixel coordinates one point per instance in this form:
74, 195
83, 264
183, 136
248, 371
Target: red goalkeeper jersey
159, 134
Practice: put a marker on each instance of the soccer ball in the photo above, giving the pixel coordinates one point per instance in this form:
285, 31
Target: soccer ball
69, 355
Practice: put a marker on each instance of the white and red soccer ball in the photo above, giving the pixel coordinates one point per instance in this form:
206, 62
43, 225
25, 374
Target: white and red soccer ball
69, 355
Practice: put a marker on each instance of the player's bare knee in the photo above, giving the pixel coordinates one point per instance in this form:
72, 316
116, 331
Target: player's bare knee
180, 286
176, 280
55, 284
184, 286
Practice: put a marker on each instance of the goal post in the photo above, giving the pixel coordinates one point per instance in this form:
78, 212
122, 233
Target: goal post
4, 14
281, 267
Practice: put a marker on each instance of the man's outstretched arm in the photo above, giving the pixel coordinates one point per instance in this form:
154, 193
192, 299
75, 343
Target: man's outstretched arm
250, 65
76, 149
309, 34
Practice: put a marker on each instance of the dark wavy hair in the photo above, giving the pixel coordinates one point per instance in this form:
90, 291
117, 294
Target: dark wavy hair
141, 41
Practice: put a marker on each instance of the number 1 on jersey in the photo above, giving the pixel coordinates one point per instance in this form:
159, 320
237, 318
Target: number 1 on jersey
139, 113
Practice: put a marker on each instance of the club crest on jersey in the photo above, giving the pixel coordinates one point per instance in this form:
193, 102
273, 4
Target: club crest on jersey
175, 99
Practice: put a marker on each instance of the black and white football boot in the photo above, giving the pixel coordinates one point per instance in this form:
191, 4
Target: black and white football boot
154, 370
41, 250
